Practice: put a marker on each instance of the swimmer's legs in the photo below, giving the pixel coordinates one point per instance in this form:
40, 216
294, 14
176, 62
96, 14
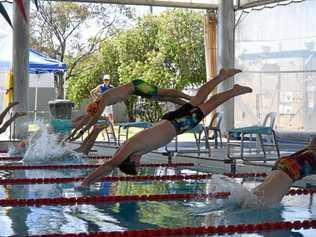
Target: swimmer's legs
210, 85
220, 98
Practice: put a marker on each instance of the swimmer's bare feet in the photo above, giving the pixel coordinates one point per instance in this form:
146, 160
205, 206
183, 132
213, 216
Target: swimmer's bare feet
242, 89
228, 72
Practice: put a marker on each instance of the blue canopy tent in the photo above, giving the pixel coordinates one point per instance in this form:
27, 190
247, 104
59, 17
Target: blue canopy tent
38, 63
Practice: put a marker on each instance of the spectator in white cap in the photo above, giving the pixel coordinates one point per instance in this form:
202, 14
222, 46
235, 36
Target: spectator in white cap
101, 89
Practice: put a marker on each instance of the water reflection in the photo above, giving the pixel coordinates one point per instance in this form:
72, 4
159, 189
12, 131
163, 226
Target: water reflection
133, 215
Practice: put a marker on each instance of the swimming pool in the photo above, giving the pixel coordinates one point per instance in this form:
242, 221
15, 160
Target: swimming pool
135, 215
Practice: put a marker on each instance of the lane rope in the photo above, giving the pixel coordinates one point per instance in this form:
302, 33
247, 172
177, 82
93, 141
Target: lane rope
80, 166
108, 178
19, 158
103, 199
127, 198
193, 231
121, 178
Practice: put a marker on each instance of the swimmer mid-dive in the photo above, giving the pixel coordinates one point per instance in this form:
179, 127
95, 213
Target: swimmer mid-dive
287, 170
171, 125
120, 93
275, 186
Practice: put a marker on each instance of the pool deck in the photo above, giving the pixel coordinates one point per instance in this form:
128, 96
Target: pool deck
218, 161
215, 163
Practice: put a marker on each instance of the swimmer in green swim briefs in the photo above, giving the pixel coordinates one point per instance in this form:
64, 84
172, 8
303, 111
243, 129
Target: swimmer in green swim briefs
171, 125
117, 94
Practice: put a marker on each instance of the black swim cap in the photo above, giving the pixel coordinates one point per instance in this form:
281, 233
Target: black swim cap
128, 167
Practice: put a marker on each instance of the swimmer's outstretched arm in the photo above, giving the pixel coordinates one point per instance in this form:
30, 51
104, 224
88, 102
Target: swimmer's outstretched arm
273, 188
110, 97
79, 122
92, 121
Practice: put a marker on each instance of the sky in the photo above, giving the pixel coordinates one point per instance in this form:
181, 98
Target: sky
139, 12
6, 30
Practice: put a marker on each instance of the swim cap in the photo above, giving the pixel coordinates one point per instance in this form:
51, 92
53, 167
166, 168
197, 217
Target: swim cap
128, 167
92, 108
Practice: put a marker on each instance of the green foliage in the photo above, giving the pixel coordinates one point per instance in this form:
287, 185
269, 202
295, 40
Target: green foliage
150, 111
59, 29
165, 50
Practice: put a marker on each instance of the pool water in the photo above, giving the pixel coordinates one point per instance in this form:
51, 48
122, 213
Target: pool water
119, 216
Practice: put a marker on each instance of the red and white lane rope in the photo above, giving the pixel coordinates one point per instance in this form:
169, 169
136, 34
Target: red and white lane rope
103, 199
10, 158
193, 231
112, 179
19, 158
121, 178
127, 198
80, 166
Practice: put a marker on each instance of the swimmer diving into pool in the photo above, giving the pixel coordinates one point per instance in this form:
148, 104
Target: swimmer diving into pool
287, 170
117, 94
171, 125
276, 185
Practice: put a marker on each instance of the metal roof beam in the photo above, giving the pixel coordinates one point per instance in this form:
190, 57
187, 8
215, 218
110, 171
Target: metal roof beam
202, 4
259, 3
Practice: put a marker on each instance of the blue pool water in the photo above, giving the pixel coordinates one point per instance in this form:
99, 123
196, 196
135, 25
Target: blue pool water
42, 220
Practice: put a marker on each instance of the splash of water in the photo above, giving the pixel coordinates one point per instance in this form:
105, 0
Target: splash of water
43, 147
239, 195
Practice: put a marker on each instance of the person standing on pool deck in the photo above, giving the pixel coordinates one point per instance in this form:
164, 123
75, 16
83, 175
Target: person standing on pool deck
171, 125
100, 90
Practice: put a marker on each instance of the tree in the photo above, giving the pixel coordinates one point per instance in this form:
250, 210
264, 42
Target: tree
58, 28
169, 52
165, 50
